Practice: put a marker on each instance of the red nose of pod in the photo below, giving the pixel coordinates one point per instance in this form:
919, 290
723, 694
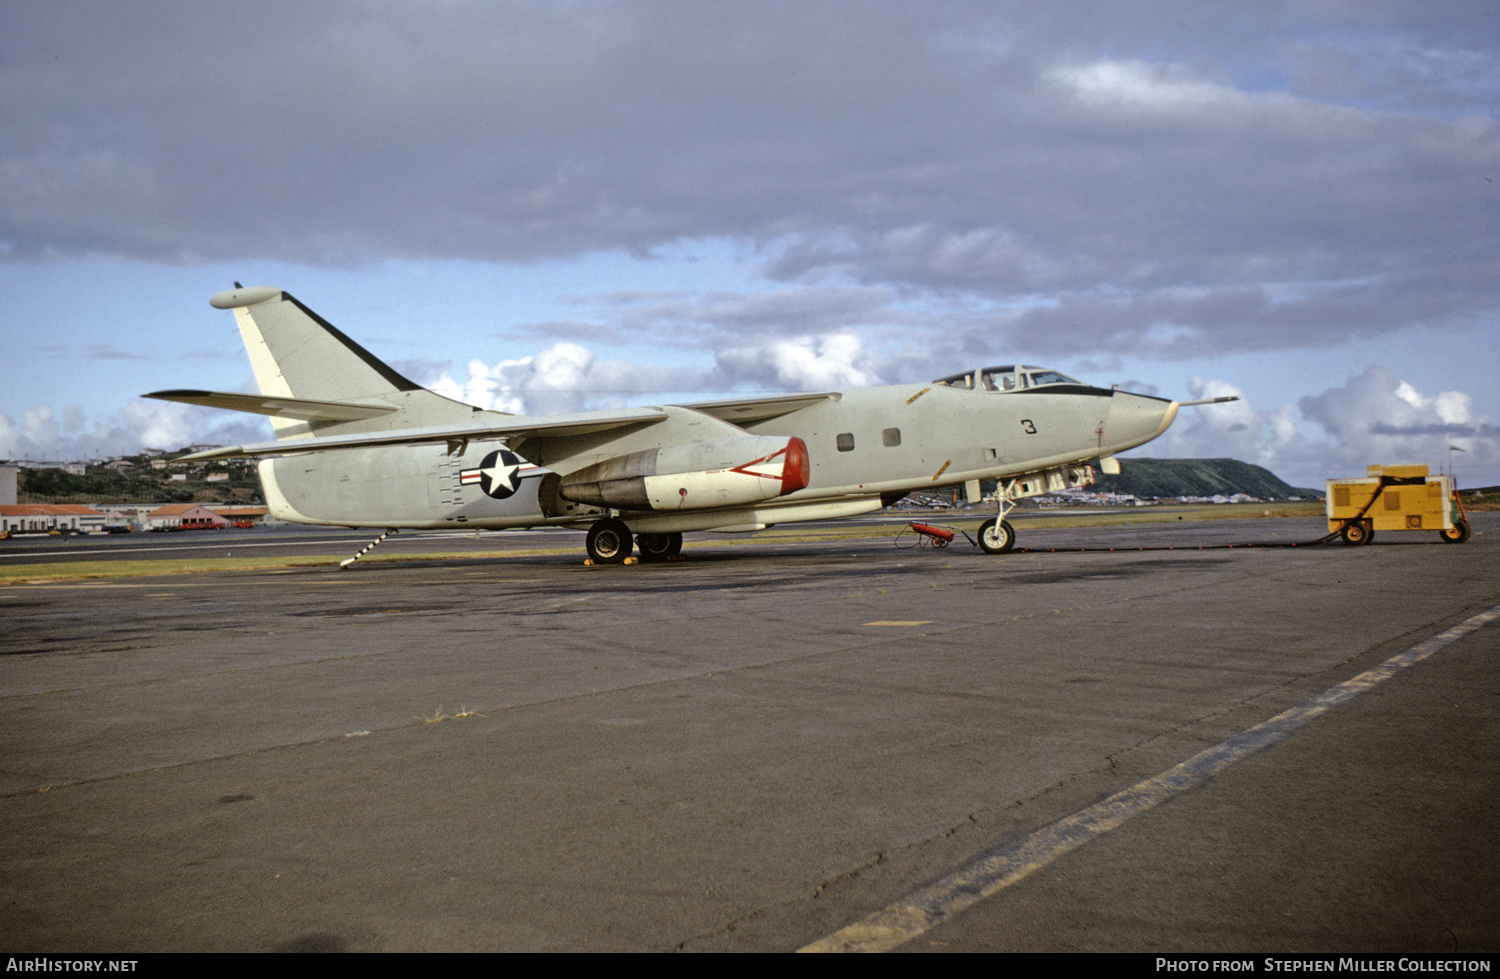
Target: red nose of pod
796, 471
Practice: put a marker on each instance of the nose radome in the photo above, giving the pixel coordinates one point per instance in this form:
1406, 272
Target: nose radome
1135, 419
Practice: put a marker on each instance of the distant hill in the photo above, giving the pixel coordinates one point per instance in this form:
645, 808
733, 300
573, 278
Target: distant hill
140, 483
1199, 477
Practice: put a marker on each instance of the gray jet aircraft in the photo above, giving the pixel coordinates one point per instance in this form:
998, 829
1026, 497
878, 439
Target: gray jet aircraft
359, 445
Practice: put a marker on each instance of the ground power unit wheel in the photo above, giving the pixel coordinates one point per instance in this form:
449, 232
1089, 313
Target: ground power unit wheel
1356, 533
1458, 534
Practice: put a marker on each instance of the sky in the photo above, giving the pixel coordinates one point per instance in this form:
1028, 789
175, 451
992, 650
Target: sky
559, 206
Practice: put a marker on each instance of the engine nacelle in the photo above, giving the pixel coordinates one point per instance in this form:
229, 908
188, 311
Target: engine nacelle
714, 473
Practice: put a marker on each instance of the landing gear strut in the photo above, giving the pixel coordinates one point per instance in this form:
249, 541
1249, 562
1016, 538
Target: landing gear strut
998, 536
608, 541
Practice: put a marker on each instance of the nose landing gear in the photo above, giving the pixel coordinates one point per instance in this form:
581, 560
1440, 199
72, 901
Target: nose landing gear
996, 536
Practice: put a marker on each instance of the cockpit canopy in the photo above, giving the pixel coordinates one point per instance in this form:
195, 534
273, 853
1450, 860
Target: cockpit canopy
1011, 377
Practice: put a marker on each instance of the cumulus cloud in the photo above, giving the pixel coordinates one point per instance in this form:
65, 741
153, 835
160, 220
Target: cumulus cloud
44, 433
1377, 417
1235, 430
566, 377
802, 364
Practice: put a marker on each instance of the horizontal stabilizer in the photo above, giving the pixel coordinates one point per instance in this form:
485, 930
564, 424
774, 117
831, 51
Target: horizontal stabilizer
301, 408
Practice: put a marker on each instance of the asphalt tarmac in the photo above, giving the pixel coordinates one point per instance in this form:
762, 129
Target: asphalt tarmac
758, 747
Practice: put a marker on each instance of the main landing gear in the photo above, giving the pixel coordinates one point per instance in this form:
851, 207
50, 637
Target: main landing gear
658, 547
609, 542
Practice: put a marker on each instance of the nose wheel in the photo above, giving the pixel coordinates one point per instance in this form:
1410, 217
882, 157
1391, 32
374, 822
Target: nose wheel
996, 536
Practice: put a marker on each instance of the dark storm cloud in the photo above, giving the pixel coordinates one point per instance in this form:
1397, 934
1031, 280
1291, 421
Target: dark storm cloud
1157, 177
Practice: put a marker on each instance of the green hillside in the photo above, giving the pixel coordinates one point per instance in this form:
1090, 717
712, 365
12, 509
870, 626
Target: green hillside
139, 484
1198, 477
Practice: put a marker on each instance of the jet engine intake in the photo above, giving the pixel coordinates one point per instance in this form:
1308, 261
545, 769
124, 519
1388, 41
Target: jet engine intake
712, 473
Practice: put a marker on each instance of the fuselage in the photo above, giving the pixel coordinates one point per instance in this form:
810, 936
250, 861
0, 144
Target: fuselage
868, 444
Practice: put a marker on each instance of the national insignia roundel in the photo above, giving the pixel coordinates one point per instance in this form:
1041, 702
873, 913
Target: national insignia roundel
499, 474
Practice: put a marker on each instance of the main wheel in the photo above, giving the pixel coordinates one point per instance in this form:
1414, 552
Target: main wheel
1458, 534
658, 547
1355, 533
996, 536
608, 542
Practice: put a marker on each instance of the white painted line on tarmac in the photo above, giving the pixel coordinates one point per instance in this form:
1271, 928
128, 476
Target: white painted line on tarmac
993, 871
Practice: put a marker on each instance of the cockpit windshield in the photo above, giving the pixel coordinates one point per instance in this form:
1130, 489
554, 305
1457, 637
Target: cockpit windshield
1039, 378
1007, 378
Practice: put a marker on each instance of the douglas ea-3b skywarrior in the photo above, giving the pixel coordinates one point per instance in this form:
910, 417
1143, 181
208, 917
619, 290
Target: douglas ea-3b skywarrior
358, 445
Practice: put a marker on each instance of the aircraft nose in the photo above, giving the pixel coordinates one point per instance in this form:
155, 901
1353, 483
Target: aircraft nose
1135, 419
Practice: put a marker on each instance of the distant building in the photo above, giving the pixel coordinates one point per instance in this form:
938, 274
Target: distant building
131, 515
183, 516
43, 517
239, 515
8, 485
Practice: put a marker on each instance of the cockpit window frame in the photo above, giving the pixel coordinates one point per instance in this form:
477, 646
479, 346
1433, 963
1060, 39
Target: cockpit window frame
1024, 377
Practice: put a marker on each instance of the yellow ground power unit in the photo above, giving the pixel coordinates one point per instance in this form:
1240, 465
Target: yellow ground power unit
1395, 498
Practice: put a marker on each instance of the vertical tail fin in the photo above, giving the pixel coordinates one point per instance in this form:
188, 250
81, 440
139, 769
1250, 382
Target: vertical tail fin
295, 353
298, 354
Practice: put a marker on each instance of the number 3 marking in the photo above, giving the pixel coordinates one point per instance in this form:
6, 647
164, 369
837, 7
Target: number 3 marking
1027, 426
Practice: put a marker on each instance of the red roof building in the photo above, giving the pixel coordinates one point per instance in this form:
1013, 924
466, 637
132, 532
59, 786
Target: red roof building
40, 518
184, 516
